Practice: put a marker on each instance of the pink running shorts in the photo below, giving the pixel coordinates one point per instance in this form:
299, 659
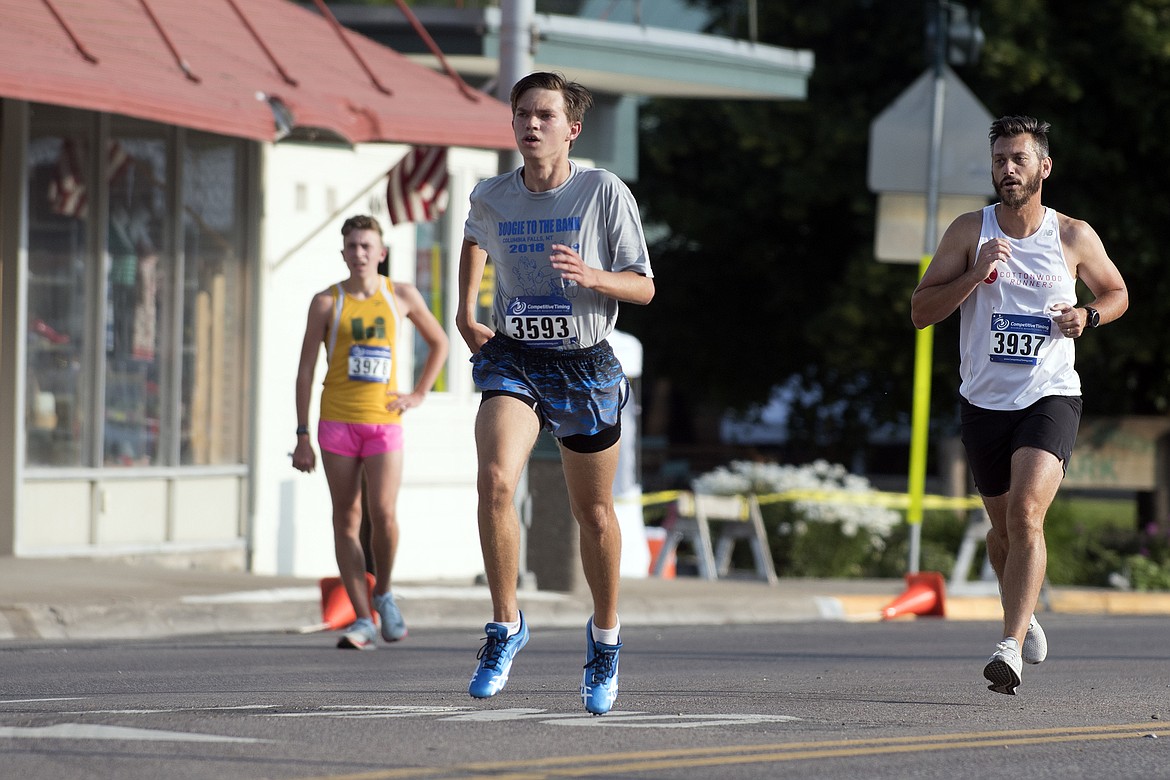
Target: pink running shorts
358, 440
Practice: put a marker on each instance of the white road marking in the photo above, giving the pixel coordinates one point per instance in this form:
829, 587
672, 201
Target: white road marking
615, 719
355, 711
513, 713
162, 710
634, 720
120, 733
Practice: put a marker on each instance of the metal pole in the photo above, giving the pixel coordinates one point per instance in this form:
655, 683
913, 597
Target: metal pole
920, 415
517, 46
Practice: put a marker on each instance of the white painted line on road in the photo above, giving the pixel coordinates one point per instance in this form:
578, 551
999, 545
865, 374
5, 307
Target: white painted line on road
617, 718
376, 711
511, 713
636, 720
119, 733
165, 710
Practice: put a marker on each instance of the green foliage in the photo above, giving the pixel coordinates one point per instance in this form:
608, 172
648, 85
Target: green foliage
1090, 543
780, 211
809, 537
1087, 540
818, 549
768, 223
942, 533
1145, 574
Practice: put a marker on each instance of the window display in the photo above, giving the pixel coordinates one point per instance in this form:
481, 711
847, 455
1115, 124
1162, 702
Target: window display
124, 369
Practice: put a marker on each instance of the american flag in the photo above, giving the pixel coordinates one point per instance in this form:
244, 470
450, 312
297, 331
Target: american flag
68, 194
417, 186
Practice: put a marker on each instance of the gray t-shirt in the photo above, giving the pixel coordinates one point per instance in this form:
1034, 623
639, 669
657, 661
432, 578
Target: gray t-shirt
593, 212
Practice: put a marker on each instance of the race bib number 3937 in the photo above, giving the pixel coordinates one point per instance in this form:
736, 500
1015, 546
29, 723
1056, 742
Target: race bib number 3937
1018, 338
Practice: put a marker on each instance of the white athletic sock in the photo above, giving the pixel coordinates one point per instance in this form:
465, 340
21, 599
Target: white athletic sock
1011, 640
513, 628
607, 636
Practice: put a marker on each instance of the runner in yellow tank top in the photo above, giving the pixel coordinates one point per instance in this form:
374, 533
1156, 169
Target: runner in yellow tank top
359, 353
359, 432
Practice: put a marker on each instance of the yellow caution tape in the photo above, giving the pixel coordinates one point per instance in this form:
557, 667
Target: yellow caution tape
870, 498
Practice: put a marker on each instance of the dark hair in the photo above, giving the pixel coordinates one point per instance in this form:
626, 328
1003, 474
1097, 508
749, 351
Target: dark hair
360, 222
1011, 126
578, 99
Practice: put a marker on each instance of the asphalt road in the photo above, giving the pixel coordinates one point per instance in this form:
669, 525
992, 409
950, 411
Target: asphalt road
900, 699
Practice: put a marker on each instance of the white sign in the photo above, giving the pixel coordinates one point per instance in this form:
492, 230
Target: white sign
901, 223
900, 140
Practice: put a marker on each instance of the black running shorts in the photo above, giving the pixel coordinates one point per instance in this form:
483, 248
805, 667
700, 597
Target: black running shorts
991, 437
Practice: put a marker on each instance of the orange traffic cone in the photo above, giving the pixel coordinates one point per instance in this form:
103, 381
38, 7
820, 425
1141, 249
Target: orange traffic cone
336, 609
924, 595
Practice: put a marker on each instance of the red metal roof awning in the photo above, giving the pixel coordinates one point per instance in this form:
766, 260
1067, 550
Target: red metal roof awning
220, 65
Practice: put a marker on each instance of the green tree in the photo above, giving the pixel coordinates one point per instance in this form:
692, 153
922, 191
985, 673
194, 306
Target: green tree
766, 270
765, 265
1100, 72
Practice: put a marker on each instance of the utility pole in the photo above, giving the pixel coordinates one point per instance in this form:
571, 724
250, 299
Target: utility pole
957, 43
517, 47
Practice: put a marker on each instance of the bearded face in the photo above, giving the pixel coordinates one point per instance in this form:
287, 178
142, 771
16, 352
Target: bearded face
1014, 189
1017, 170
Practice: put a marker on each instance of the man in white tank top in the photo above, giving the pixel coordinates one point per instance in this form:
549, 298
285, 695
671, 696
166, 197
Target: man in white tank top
1011, 270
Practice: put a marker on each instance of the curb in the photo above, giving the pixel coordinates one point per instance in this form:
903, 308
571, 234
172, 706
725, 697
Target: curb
296, 608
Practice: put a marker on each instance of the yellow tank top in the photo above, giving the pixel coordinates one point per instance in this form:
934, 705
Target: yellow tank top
360, 352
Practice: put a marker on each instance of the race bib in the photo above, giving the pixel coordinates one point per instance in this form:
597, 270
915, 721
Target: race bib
540, 320
369, 364
1018, 338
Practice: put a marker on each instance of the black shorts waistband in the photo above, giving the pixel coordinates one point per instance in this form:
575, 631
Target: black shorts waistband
548, 354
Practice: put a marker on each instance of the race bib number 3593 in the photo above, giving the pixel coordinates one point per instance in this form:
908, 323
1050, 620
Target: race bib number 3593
540, 320
1018, 338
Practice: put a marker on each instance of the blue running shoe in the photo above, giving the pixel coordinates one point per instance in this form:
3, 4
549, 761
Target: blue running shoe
599, 684
393, 626
495, 658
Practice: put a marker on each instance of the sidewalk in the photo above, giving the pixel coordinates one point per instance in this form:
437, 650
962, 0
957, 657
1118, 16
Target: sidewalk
58, 598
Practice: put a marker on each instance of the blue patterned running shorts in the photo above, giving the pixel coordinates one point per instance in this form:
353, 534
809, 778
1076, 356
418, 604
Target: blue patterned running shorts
574, 392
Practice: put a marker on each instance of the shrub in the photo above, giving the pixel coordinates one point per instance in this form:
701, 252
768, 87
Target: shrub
811, 538
1091, 542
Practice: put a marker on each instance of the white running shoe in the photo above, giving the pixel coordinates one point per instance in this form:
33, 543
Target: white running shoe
393, 626
1035, 648
1003, 668
359, 636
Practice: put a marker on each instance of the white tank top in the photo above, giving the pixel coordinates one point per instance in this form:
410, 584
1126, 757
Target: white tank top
1011, 353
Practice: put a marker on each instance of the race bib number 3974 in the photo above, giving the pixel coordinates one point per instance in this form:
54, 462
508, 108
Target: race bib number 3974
1018, 338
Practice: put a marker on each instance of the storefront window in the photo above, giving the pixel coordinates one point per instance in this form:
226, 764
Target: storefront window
212, 404
124, 369
138, 274
61, 166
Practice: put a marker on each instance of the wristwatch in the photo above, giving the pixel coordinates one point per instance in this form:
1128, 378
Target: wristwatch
302, 430
1094, 318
